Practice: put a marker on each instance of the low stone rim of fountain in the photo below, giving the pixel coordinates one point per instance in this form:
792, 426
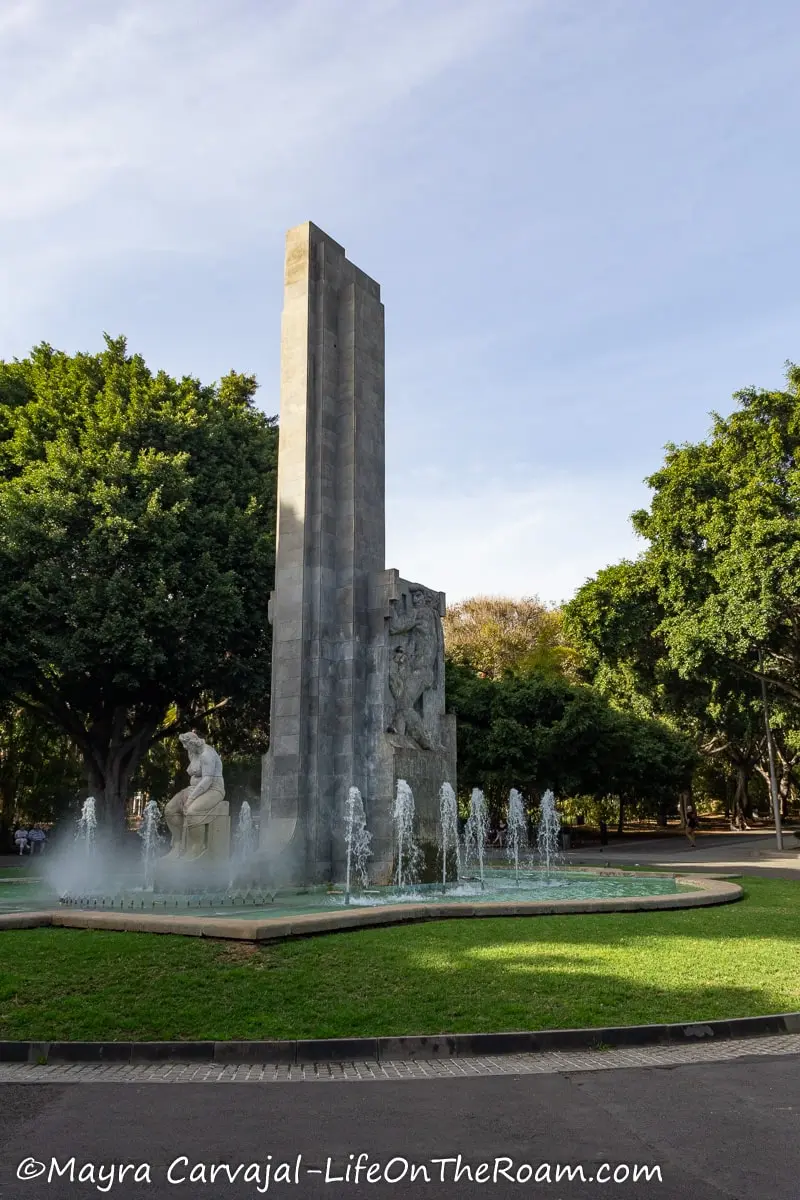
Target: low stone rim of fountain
704, 891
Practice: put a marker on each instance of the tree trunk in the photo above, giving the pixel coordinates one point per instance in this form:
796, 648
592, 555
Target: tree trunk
621, 821
110, 767
6, 814
661, 819
741, 799
8, 779
785, 789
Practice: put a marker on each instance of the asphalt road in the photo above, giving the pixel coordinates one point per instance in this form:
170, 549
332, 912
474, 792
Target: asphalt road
715, 1130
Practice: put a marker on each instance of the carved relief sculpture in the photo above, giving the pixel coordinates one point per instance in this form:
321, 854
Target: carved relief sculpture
416, 660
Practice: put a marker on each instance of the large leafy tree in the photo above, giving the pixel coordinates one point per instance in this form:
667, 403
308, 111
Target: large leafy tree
136, 552
712, 607
496, 634
724, 533
616, 621
537, 732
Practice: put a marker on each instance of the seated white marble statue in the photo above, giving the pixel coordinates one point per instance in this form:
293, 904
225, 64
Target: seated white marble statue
188, 812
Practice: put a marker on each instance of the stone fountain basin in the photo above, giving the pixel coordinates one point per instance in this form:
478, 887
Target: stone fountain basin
309, 913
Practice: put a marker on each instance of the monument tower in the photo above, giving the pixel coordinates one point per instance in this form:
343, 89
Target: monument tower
358, 654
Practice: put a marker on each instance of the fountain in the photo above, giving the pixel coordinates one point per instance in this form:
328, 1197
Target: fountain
476, 832
408, 852
87, 826
517, 829
448, 825
151, 842
357, 839
202, 870
103, 880
547, 837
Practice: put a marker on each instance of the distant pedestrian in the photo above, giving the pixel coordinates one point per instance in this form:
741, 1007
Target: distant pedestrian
691, 825
21, 840
36, 839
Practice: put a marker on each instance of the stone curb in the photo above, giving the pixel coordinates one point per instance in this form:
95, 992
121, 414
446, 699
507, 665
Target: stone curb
395, 1049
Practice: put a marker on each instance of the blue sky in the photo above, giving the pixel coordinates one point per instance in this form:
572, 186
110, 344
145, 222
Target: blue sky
582, 213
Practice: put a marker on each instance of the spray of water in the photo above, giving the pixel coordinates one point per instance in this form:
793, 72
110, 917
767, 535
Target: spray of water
245, 842
245, 839
357, 840
547, 837
476, 831
407, 851
151, 842
448, 827
86, 833
517, 826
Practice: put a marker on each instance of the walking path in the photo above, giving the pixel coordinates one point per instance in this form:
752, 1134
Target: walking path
700, 1130
747, 853
548, 1063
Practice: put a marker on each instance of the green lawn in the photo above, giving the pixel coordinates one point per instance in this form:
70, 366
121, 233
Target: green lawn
452, 976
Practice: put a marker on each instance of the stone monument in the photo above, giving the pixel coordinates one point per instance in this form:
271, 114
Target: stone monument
358, 652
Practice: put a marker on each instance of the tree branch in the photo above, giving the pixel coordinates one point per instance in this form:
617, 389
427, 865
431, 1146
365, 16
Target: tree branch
188, 718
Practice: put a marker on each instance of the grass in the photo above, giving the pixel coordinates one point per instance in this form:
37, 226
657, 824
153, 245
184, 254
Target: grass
452, 976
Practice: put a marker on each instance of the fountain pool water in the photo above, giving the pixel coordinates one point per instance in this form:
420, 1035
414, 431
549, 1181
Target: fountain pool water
499, 886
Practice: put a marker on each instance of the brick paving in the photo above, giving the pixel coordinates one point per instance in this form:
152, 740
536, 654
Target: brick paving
555, 1062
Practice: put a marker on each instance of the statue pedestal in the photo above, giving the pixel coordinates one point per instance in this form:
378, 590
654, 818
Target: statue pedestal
205, 871
218, 836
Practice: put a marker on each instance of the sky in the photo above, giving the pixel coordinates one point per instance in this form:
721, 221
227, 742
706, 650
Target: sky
583, 215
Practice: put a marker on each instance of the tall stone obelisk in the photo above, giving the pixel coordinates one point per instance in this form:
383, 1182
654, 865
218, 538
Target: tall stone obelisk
334, 610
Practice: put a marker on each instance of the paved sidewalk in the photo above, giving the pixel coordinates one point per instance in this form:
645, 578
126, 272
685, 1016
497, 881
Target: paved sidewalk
549, 1063
741, 853
705, 1130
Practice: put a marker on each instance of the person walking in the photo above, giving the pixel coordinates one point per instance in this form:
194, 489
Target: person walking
691, 825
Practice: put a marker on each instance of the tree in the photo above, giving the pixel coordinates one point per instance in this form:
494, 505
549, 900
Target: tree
536, 732
495, 634
724, 529
137, 517
39, 770
616, 622
717, 592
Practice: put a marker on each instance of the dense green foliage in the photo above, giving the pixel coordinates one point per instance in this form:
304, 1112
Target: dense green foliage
40, 772
445, 976
684, 632
137, 517
535, 731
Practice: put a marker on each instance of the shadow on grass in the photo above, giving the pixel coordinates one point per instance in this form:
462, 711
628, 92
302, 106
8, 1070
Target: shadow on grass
452, 976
